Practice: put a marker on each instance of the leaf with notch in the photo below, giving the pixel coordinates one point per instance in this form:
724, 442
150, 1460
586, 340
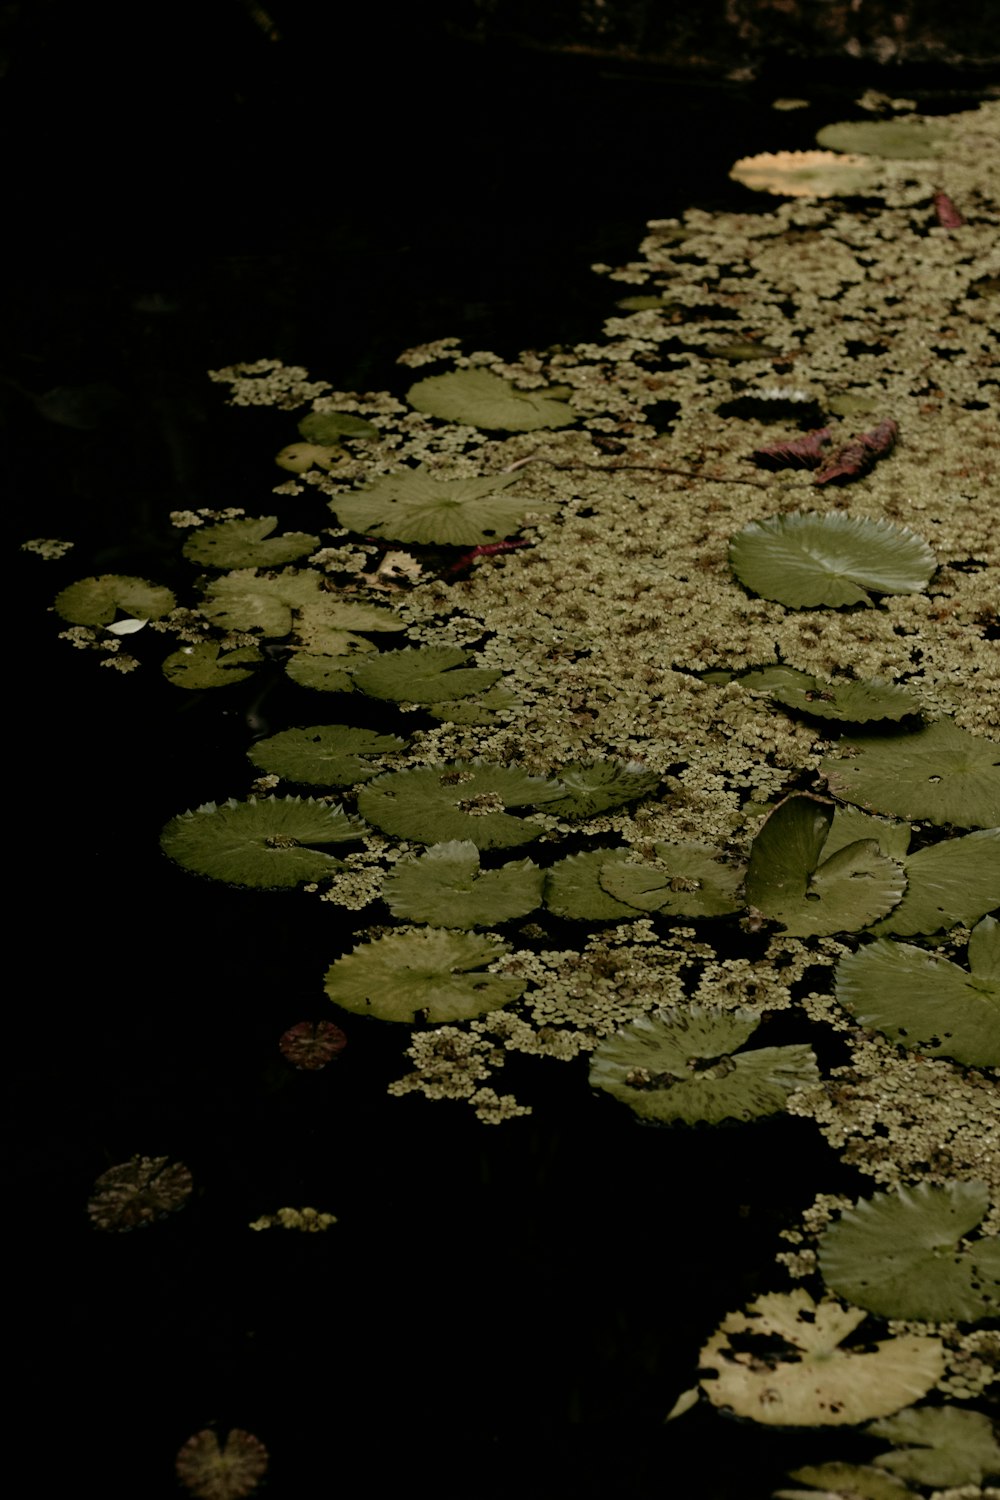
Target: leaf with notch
424, 674
447, 888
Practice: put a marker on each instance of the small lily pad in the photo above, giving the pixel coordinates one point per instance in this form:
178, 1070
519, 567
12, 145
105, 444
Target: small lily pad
423, 674
299, 458
419, 506
484, 400
457, 800
687, 880
265, 844
478, 708
310, 1045
807, 559
206, 665
957, 880
247, 543
841, 1481
244, 600
910, 140
573, 887
939, 1446
96, 601
594, 786
430, 975
323, 674
939, 773
230, 1470
136, 1193
679, 1065
803, 174
447, 888
900, 1255
324, 754
328, 427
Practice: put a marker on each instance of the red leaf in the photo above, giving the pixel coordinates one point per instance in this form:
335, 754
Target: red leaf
948, 215
804, 452
312, 1044
860, 454
487, 549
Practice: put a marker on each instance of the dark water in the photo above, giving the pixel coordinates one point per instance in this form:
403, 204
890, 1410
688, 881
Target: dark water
497, 1307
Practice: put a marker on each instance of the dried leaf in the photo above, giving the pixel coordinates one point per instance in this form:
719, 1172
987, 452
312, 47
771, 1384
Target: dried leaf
860, 454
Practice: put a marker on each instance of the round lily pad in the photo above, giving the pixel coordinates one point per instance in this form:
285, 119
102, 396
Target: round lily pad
484, 400
247, 543
940, 773
957, 880
939, 1446
260, 843
324, 754
430, 975
457, 800
206, 665
573, 887
803, 174
310, 1045
136, 1193
447, 888
327, 427
806, 559
900, 1255
910, 140
227, 1470
419, 506
593, 787
242, 600
687, 880
423, 674
96, 601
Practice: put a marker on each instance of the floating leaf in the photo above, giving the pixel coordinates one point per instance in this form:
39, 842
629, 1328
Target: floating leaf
899, 1254
803, 174
842, 1481
594, 786
789, 881
323, 674
328, 427
687, 880
229, 1470
138, 1192
939, 1445
418, 506
679, 1065
247, 543
805, 559
984, 952
957, 880
485, 400
431, 975
423, 674
795, 453
573, 887
939, 773
447, 888
324, 754
330, 615
260, 843
859, 455
242, 600
925, 1001
479, 708
206, 665
849, 825
463, 799
95, 601
855, 700
909, 140
947, 215
299, 458
311, 1045
813, 1381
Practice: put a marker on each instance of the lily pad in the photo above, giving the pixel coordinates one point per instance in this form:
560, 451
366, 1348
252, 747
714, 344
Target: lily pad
206, 665
939, 773
803, 174
247, 543
423, 674
447, 888
595, 786
855, 701
573, 887
457, 800
984, 952
230, 1470
265, 844
323, 674
484, 400
136, 1193
939, 1446
679, 1065
910, 140
899, 1254
789, 880
841, 1481
924, 1001
96, 601
687, 880
431, 975
418, 506
328, 427
813, 1381
324, 754
478, 708
245, 600
957, 880
850, 824
310, 1045
806, 559
299, 458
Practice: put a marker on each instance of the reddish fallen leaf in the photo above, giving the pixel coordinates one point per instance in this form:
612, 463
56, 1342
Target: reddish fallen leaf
800, 453
860, 454
229, 1470
948, 215
312, 1044
138, 1192
486, 550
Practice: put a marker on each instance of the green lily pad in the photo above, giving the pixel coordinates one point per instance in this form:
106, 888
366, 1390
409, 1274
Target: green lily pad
431, 975
323, 674
96, 601
789, 880
806, 559
910, 140
244, 600
957, 880
265, 844
850, 824
206, 665
247, 543
328, 427
329, 626
423, 674
855, 701
939, 1446
983, 952
573, 888
679, 1065
324, 754
925, 1001
939, 773
462, 799
418, 506
783, 1363
299, 458
595, 786
845, 1482
478, 708
899, 1254
484, 400
446, 888
687, 880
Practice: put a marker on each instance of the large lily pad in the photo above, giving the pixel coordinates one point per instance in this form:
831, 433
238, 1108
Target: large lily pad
687, 880
573, 887
329, 427
789, 880
782, 1363
485, 400
324, 754
899, 1254
939, 773
96, 601
244, 600
594, 786
206, 665
679, 1065
247, 543
457, 800
806, 559
447, 888
423, 674
910, 140
418, 506
957, 880
431, 975
265, 844
925, 1001
939, 1445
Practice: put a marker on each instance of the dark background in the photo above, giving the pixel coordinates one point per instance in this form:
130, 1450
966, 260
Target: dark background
497, 1307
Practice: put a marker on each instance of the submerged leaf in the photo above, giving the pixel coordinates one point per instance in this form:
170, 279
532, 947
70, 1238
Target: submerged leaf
573, 887
939, 773
805, 559
939, 1445
264, 844
910, 140
431, 975
247, 543
206, 665
418, 506
447, 888
138, 1192
229, 1470
328, 427
485, 400
957, 880
310, 1045
324, 754
424, 674
458, 800
591, 787
687, 880
95, 601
